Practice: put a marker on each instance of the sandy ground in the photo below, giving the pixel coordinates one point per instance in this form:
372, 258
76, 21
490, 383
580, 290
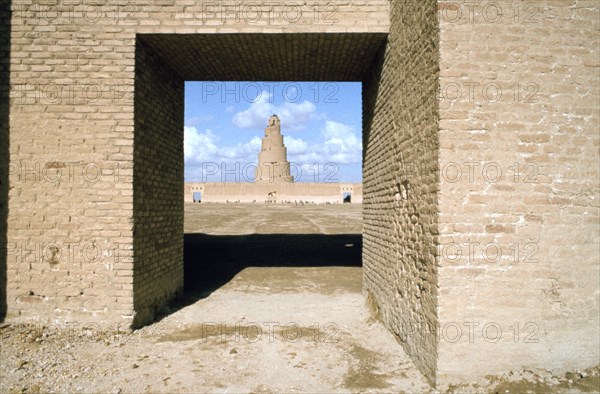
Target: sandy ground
273, 303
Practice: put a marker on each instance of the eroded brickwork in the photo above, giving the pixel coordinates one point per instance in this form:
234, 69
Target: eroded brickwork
71, 195
84, 172
82, 242
519, 121
400, 134
157, 185
5, 34
282, 192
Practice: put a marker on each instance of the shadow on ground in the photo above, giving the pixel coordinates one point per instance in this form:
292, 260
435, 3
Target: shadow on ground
210, 261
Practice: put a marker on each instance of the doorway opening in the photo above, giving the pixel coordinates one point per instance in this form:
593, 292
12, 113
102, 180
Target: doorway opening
163, 63
307, 136
399, 127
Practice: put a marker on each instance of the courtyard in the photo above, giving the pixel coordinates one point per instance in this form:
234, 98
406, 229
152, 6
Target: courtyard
273, 302
277, 317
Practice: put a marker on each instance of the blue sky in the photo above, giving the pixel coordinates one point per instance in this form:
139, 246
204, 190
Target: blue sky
225, 121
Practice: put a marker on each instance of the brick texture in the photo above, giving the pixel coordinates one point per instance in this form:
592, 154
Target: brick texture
480, 131
5, 34
522, 134
400, 135
157, 185
285, 193
94, 231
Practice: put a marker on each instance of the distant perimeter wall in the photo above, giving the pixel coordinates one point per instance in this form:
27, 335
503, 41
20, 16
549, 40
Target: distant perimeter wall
318, 193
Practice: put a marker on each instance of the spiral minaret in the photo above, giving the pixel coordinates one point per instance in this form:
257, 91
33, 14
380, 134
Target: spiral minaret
272, 158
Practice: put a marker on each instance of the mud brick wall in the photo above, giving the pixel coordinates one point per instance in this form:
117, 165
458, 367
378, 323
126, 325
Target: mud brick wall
249, 192
400, 180
90, 164
519, 218
5, 34
70, 201
157, 185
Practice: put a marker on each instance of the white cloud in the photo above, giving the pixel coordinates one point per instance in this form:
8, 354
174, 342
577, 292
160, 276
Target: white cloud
198, 147
292, 115
295, 146
339, 144
246, 152
202, 147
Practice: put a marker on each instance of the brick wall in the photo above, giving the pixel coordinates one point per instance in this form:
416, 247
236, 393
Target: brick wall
519, 121
78, 248
70, 198
249, 192
400, 135
5, 16
157, 185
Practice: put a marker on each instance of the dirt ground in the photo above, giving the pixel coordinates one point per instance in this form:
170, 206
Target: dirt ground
273, 303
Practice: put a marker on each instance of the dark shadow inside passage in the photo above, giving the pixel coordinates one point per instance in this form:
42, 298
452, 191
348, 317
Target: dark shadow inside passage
210, 261
5, 32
